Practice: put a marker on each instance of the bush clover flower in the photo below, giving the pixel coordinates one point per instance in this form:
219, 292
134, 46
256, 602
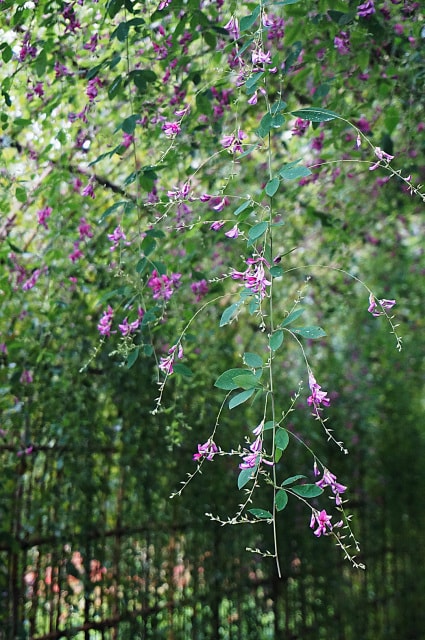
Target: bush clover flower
329, 480
163, 286
251, 460
171, 129
366, 9
105, 323
322, 520
206, 450
166, 362
317, 397
254, 277
382, 156
233, 232
384, 304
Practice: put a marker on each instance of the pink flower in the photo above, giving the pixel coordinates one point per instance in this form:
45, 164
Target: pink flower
366, 9
171, 129
163, 286
233, 28
206, 450
26, 377
384, 304
88, 190
254, 458
127, 328
322, 520
342, 43
233, 233
116, 236
329, 480
166, 363
254, 277
43, 215
200, 289
84, 229
317, 397
105, 323
382, 156
216, 226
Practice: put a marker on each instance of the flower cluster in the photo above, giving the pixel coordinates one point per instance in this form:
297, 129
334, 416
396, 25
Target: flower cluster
206, 450
384, 304
105, 323
329, 480
317, 397
254, 276
322, 520
233, 143
166, 363
163, 286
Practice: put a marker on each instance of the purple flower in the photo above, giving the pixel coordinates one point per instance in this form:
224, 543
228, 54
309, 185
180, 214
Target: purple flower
43, 215
200, 289
254, 458
105, 323
116, 236
88, 190
233, 28
233, 233
329, 480
26, 377
342, 43
366, 9
384, 304
84, 229
322, 520
233, 143
382, 156
254, 277
317, 397
206, 450
166, 363
126, 328
171, 129
162, 285
216, 226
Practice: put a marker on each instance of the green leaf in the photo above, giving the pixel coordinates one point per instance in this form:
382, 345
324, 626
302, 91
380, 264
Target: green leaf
312, 333
292, 316
252, 360
242, 207
266, 125
281, 439
257, 231
276, 271
182, 370
226, 380
248, 380
141, 265
253, 80
114, 87
276, 340
245, 476
229, 314
111, 209
21, 194
240, 398
291, 480
307, 490
315, 114
277, 455
268, 425
133, 355
7, 53
290, 172
248, 21
263, 514
148, 245
277, 107
129, 124
281, 500
272, 186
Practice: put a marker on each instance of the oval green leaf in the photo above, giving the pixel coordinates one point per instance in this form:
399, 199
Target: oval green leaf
263, 514
307, 490
281, 500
